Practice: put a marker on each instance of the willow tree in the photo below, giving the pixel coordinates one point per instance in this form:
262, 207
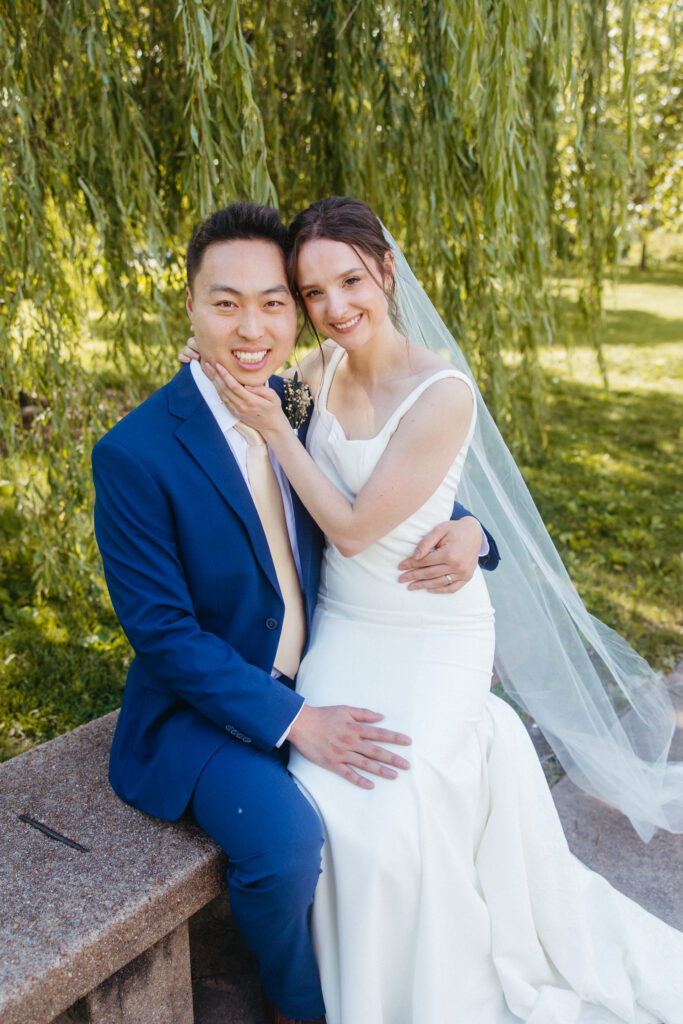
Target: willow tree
656, 192
454, 121
479, 130
122, 127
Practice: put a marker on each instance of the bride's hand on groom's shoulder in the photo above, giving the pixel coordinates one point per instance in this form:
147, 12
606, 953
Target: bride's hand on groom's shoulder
190, 352
345, 739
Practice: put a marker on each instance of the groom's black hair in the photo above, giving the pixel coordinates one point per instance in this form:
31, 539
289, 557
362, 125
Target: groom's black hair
239, 220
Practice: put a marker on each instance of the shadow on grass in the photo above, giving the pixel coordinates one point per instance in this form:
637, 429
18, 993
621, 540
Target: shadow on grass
668, 276
626, 425
660, 321
636, 327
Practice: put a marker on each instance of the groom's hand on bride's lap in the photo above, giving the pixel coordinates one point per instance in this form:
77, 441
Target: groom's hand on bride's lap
344, 739
450, 549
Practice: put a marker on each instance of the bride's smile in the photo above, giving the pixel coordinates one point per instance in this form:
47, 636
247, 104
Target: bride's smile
345, 293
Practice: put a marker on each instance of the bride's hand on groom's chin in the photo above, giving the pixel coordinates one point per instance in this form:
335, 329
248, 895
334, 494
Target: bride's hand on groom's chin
256, 405
344, 739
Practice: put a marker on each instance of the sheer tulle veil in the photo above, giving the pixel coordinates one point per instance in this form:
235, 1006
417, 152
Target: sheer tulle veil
604, 711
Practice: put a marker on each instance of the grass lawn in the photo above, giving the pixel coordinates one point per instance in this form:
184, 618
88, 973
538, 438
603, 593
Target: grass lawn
607, 484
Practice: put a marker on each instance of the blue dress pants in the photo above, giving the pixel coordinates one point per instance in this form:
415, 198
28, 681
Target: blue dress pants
249, 804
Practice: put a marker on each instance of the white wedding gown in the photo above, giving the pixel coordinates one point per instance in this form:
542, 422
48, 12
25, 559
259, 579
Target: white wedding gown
449, 895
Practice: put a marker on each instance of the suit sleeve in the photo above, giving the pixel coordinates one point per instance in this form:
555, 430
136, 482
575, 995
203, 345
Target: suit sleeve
148, 588
491, 559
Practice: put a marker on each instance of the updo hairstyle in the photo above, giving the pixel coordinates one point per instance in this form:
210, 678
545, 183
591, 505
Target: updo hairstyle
342, 219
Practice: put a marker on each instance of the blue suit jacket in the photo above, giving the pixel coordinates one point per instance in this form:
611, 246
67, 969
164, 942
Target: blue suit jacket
193, 584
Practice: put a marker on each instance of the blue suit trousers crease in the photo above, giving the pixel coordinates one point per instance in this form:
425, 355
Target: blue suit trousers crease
249, 804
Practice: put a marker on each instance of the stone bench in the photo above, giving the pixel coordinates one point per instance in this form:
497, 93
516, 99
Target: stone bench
104, 936
116, 935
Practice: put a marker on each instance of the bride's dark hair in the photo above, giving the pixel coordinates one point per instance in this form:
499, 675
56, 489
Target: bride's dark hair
348, 220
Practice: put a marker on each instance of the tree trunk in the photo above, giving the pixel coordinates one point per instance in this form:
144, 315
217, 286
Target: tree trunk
643, 256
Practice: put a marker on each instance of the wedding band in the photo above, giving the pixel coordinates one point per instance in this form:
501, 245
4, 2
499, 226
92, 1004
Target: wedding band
449, 577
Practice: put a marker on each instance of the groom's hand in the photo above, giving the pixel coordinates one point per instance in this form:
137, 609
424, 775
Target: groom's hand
446, 557
342, 739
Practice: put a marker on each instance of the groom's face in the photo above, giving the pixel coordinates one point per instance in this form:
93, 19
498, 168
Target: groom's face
242, 310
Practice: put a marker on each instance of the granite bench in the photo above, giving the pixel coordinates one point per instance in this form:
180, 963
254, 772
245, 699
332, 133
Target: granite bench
104, 936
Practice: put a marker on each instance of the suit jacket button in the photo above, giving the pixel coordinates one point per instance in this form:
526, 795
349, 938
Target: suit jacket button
271, 623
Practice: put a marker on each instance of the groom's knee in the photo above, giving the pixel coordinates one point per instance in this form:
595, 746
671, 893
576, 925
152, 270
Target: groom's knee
286, 868
300, 864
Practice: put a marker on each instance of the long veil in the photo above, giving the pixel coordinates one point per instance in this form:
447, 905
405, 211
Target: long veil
605, 712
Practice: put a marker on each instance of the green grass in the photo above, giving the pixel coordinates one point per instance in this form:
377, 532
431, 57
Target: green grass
57, 675
607, 484
61, 663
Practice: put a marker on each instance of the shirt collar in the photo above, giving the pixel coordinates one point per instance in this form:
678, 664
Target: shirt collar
225, 419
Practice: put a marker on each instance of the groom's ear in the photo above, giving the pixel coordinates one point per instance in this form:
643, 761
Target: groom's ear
188, 302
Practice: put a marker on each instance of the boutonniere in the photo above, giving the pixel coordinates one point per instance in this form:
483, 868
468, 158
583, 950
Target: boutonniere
297, 400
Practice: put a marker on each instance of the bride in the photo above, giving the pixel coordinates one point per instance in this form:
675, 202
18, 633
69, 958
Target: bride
449, 895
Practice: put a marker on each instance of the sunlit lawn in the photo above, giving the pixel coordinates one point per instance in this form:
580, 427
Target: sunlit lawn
609, 486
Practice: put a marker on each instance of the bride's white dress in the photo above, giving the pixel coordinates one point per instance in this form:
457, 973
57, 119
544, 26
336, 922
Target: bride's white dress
449, 895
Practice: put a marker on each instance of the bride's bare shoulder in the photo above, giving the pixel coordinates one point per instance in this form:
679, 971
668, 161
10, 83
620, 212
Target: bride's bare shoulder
426, 362
312, 366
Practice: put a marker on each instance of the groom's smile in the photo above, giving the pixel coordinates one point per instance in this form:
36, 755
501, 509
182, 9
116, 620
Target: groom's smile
242, 311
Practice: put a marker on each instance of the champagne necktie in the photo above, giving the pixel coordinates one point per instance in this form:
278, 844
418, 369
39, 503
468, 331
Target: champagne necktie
267, 496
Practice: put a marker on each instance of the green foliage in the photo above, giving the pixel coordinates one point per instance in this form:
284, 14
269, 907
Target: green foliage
450, 120
62, 661
57, 674
124, 125
608, 494
656, 193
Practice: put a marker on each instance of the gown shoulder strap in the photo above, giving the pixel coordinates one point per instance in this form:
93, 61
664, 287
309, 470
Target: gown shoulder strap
413, 396
328, 374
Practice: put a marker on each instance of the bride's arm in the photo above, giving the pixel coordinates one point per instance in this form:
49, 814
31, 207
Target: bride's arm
413, 465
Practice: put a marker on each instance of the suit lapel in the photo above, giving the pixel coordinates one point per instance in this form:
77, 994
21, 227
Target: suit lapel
201, 437
306, 530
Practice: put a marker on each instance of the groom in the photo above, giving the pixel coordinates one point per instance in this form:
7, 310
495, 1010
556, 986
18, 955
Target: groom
209, 700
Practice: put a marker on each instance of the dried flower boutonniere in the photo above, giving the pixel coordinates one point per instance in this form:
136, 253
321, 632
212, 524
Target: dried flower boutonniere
297, 400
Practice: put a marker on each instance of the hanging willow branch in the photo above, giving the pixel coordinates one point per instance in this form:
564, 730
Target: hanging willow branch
453, 120
121, 128
492, 137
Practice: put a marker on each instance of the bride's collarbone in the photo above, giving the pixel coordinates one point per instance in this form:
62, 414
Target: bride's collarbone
363, 411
